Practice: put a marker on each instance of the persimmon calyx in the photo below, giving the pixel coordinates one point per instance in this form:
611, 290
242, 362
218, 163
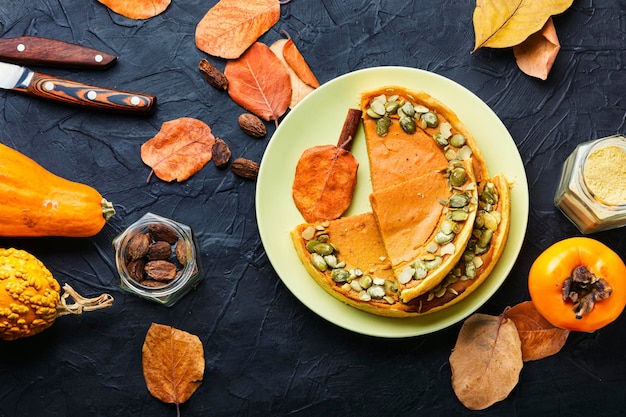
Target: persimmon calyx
584, 289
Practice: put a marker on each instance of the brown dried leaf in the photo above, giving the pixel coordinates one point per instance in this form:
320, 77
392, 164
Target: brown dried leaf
486, 361
299, 89
539, 338
535, 56
231, 26
259, 82
180, 149
137, 9
173, 363
506, 23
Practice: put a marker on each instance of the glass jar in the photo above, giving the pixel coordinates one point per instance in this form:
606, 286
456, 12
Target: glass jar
575, 195
130, 262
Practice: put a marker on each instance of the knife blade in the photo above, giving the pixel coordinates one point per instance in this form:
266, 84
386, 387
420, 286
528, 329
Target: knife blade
33, 50
49, 87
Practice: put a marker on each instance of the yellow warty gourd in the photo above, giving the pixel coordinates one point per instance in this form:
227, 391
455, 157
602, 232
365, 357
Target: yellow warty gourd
31, 299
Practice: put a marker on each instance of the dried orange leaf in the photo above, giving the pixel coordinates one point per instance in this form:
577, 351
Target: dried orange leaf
231, 26
535, 56
173, 363
137, 9
506, 23
296, 61
486, 361
299, 89
326, 176
259, 82
180, 149
539, 338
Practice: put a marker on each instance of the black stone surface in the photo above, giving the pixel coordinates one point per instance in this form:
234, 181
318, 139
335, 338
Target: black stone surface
266, 354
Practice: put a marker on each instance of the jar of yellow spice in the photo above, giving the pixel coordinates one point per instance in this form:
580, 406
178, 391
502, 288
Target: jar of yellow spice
592, 189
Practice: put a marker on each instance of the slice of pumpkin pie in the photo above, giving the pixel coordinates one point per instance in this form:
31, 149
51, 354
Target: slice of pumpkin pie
425, 224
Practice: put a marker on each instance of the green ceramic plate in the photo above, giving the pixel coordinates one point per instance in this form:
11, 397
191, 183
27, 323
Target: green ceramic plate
317, 120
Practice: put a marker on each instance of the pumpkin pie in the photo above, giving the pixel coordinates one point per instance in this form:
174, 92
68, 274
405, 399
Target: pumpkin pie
426, 228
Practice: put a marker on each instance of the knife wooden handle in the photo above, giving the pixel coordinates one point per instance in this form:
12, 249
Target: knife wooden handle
43, 51
88, 96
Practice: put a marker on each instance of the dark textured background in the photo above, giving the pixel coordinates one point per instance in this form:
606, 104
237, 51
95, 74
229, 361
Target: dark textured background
266, 354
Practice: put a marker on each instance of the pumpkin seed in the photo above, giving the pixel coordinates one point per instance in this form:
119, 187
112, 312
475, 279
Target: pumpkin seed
465, 153
448, 226
439, 291
459, 200
430, 119
439, 139
371, 113
408, 109
448, 249
491, 222
450, 154
408, 124
433, 263
421, 109
485, 238
458, 215
451, 278
392, 106
323, 249
356, 286
391, 286
442, 238
445, 130
470, 270
457, 140
389, 299
458, 176
382, 126
431, 247
406, 275
420, 270
376, 292
364, 296
339, 275
310, 245
318, 262
331, 260
365, 281
378, 107
479, 250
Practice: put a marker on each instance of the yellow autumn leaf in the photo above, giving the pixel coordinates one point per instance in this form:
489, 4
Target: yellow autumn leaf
506, 23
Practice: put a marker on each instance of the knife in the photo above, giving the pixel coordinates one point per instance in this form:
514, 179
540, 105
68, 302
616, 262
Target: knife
35, 50
23, 80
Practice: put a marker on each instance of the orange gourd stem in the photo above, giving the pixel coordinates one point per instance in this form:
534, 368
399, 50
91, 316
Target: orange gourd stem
35, 202
557, 263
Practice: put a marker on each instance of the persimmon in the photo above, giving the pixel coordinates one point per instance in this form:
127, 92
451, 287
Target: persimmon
578, 284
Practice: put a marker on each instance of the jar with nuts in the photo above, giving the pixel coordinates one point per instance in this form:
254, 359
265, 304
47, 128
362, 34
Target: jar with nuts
156, 259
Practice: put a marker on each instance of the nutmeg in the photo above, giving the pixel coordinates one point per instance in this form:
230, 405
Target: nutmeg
252, 125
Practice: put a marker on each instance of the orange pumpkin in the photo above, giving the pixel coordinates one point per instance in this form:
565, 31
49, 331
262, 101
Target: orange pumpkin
35, 202
578, 284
